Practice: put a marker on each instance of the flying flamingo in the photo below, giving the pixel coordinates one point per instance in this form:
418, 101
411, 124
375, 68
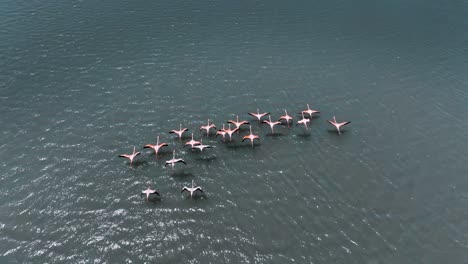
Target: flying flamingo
130, 156
207, 128
271, 124
251, 137
338, 125
259, 115
303, 121
201, 146
179, 132
286, 117
173, 161
148, 192
192, 189
221, 132
156, 147
230, 131
192, 142
237, 123
309, 111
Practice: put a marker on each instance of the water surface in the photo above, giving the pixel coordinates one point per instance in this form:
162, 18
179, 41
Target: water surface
84, 81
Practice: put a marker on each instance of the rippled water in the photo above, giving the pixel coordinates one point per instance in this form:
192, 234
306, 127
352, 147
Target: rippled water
84, 81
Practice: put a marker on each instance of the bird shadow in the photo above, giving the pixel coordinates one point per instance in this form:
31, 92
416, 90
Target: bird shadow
276, 134
286, 124
197, 196
210, 135
206, 158
181, 174
154, 198
241, 146
163, 153
242, 129
160, 155
333, 131
138, 163
305, 135
184, 137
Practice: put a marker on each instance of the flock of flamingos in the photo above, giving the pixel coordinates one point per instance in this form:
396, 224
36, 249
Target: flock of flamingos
223, 132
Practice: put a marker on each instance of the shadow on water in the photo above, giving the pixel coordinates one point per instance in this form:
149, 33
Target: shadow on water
138, 163
181, 139
286, 125
196, 196
186, 136
181, 174
242, 146
154, 198
305, 134
206, 158
242, 129
163, 153
333, 131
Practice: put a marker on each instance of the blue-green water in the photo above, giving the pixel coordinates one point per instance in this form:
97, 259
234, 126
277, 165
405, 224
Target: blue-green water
84, 81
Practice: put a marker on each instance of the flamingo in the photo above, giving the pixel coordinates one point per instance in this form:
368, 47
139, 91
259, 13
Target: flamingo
338, 125
237, 123
230, 131
130, 156
148, 192
286, 117
192, 142
201, 146
179, 132
251, 137
271, 124
259, 115
192, 189
173, 161
156, 147
207, 128
309, 111
221, 132
303, 121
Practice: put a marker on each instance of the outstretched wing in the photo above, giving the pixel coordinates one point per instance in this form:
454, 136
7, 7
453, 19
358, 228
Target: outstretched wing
344, 123
181, 160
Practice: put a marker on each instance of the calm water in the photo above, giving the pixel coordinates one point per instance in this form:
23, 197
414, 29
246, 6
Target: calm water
84, 81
